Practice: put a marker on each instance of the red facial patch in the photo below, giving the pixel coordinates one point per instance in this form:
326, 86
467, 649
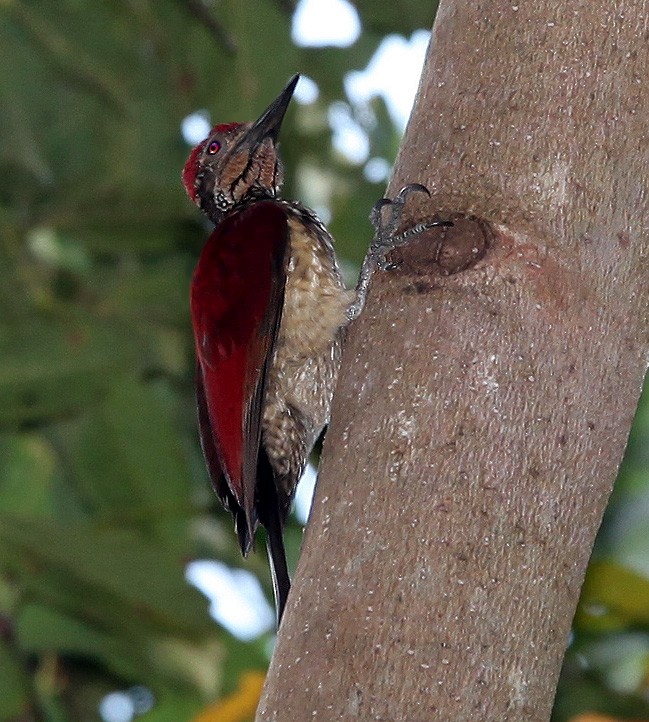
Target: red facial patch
190, 171
224, 128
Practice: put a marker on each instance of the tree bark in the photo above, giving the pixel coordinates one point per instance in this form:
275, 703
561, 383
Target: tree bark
483, 406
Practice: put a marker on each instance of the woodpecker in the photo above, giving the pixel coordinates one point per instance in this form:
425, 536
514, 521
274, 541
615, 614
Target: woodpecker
269, 311
268, 308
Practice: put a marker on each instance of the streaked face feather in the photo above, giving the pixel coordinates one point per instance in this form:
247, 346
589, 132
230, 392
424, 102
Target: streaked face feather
225, 169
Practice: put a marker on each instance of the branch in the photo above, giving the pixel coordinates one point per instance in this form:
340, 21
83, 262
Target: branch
481, 414
206, 17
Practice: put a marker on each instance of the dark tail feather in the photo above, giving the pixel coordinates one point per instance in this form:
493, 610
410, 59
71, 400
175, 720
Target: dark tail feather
278, 568
270, 517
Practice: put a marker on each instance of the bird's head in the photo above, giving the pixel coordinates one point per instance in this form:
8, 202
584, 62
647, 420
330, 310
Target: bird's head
238, 161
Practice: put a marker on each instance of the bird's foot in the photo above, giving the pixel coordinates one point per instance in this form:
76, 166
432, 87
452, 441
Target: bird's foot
384, 228
386, 239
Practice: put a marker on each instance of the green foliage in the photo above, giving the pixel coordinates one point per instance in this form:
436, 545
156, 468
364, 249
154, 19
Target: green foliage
103, 492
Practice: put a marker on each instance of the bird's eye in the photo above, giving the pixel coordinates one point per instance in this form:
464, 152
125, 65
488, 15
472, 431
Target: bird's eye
214, 147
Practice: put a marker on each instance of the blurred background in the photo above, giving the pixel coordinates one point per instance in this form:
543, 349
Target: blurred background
122, 593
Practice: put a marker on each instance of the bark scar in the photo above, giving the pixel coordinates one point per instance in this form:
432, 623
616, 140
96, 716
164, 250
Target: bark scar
443, 251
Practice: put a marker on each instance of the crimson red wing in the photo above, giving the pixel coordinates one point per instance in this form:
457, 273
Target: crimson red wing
237, 295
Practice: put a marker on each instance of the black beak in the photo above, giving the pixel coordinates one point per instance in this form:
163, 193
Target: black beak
270, 122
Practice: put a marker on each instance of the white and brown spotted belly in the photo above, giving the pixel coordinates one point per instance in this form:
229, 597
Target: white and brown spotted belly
302, 376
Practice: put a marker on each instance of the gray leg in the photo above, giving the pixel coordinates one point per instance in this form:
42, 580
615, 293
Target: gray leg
385, 240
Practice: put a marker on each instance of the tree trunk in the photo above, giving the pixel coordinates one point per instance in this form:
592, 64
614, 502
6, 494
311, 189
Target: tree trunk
484, 402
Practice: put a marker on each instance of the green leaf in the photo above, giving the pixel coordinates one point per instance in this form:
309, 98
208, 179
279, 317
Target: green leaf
156, 292
14, 683
174, 708
128, 460
613, 596
52, 368
43, 629
400, 16
121, 564
27, 465
76, 66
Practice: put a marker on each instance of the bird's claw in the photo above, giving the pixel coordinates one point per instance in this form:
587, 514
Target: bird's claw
385, 239
397, 203
411, 188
